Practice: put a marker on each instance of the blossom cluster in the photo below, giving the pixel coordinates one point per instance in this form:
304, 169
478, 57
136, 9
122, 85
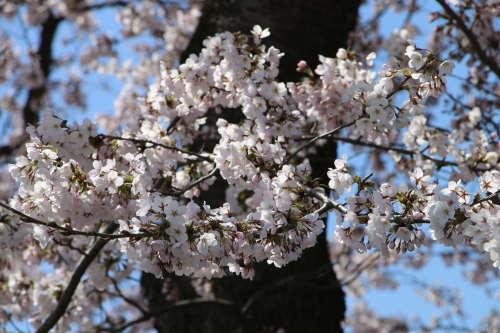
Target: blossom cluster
390, 217
147, 176
72, 174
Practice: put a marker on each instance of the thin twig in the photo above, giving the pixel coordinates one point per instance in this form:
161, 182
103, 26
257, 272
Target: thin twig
10, 321
472, 39
328, 203
489, 197
369, 25
171, 126
125, 298
395, 149
358, 269
321, 137
411, 12
187, 188
29, 219
403, 151
69, 245
205, 157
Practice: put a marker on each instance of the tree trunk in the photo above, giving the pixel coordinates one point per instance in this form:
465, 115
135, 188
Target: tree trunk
303, 296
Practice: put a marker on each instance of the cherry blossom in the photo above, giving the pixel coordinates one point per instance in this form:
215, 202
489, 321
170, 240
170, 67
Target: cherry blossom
79, 181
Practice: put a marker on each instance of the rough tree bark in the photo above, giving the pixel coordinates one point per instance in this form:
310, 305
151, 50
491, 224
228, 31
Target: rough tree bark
303, 296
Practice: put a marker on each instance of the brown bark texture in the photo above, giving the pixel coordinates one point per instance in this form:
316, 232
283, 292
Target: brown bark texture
305, 295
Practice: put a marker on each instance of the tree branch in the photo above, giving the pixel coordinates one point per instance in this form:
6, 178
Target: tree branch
8, 150
328, 203
205, 157
67, 295
125, 298
358, 269
321, 137
358, 142
472, 39
489, 197
199, 181
70, 246
53, 225
118, 3
44, 54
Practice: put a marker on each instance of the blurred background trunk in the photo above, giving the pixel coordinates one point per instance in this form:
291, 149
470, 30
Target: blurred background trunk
305, 295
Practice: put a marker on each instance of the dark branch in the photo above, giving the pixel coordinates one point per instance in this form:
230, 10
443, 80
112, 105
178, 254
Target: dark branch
492, 196
322, 136
53, 225
199, 181
8, 150
472, 39
44, 54
359, 142
392, 148
66, 297
328, 203
152, 144
101, 5
125, 298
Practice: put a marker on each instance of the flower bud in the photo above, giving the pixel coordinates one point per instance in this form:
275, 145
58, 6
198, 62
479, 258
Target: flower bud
302, 66
491, 158
420, 235
475, 116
